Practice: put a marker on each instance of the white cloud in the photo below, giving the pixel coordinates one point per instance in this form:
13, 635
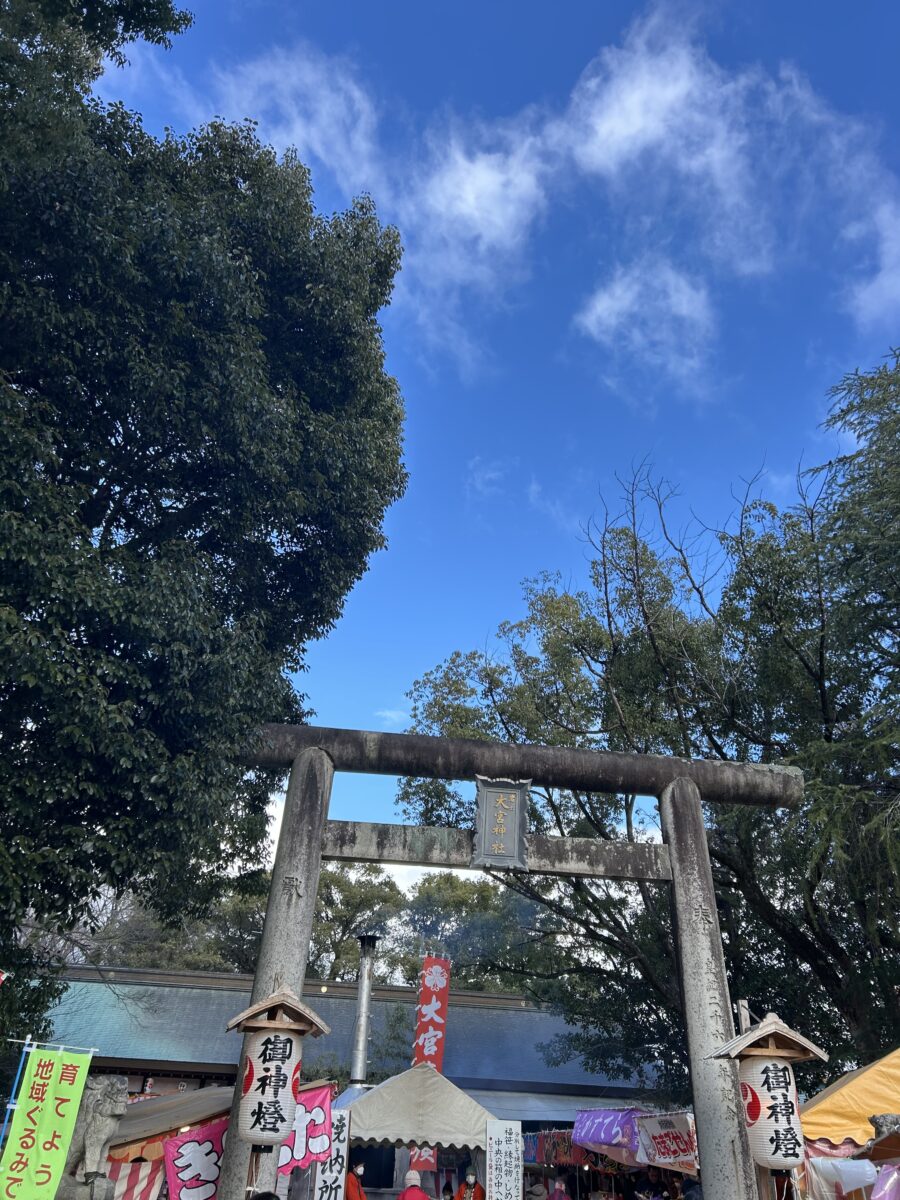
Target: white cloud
313, 102
654, 312
694, 175
394, 718
875, 301
300, 97
671, 132
475, 204
486, 477
467, 215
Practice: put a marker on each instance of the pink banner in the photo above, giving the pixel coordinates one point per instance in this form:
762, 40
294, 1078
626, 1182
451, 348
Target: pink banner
192, 1161
310, 1137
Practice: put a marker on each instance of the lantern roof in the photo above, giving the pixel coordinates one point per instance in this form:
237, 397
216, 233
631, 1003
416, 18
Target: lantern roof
287, 1012
770, 1037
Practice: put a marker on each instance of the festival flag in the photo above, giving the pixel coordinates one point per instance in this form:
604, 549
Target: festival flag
431, 1012
193, 1160
431, 1031
43, 1122
310, 1136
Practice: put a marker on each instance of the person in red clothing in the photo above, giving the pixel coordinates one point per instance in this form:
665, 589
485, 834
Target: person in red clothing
471, 1189
354, 1188
413, 1189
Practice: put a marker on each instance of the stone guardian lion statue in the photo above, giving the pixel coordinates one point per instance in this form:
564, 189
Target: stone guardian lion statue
103, 1105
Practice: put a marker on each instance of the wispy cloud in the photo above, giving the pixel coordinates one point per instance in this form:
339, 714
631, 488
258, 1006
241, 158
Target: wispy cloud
486, 478
553, 508
669, 131
653, 312
699, 176
393, 718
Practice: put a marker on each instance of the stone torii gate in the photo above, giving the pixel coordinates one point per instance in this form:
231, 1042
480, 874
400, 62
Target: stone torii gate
681, 861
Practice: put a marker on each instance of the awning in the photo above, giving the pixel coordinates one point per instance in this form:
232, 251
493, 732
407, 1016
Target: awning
146, 1118
843, 1109
531, 1106
418, 1106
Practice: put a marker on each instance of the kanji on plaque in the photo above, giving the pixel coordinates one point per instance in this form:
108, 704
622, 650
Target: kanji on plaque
331, 1175
431, 1012
310, 1136
193, 1161
42, 1124
503, 1160
501, 823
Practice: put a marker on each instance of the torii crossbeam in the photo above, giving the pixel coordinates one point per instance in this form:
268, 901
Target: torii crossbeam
681, 861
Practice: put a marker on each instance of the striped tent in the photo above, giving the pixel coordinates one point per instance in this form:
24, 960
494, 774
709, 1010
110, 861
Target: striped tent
136, 1180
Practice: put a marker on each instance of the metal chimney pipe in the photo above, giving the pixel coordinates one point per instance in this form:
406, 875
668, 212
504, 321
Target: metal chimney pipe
360, 1059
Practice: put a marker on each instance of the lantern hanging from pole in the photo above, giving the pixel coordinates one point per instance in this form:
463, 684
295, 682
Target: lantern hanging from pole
764, 1054
772, 1112
271, 1073
270, 1078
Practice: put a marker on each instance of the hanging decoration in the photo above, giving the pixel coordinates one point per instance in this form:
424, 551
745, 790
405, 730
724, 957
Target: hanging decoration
772, 1112
431, 1012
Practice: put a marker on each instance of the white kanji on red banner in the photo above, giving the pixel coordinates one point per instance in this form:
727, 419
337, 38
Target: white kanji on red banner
431, 1012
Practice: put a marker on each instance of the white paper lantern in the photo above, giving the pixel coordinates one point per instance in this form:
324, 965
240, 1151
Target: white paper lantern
772, 1111
269, 1088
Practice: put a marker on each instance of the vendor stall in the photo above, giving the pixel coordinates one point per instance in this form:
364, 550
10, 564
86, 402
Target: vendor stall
419, 1107
640, 1142
416, 1109
840, 1138
840, 1113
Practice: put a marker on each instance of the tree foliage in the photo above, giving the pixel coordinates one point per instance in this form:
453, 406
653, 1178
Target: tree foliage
198, 442
773, 640
126, 933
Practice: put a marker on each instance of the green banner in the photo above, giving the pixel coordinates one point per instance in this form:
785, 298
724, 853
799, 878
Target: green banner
42, 1124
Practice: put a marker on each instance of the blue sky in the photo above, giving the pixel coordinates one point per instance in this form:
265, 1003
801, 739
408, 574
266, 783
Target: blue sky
631, 231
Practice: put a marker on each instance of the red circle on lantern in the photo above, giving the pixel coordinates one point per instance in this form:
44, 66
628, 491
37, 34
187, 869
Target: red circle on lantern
296, 1081
752, 1104
248, 1077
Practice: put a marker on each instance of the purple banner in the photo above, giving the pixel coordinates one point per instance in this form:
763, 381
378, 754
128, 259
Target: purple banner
611, 1131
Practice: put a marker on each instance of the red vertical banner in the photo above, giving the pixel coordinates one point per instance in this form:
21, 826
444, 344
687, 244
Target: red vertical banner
431, 1012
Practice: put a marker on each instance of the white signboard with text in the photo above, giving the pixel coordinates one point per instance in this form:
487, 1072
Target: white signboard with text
504, 1160
331, 1175
668, 1141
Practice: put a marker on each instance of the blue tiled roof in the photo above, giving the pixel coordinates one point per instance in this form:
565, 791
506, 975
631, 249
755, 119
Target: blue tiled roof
488, 1044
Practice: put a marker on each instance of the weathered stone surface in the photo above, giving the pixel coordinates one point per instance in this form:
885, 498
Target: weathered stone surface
726, 1165
357, 750
425, 845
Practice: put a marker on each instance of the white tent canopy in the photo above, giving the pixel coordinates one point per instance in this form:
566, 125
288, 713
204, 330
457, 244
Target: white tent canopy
418, 1106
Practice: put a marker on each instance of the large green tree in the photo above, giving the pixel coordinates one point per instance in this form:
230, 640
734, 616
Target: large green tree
198, 442
774, 641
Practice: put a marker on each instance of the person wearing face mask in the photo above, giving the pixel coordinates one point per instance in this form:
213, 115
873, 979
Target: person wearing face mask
471, 1189
354, 1188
